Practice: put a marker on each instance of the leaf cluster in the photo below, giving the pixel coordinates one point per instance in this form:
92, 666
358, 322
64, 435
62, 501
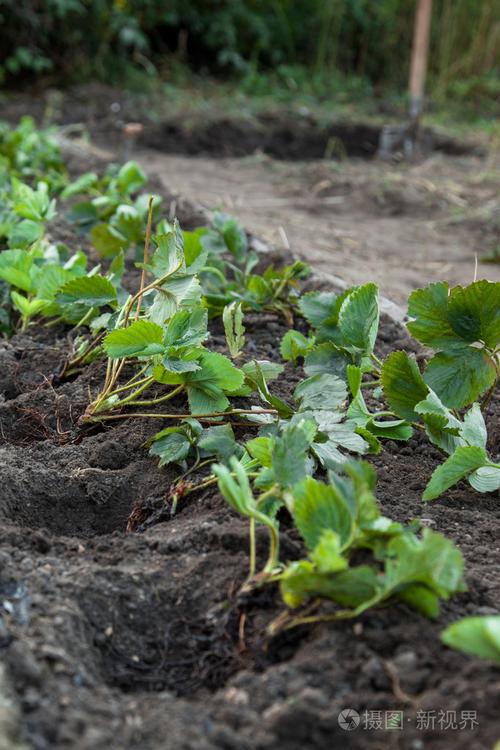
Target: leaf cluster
357, 558
462, 439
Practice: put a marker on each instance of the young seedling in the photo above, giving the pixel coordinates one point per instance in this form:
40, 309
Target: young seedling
232, 317
338, 521
235, 487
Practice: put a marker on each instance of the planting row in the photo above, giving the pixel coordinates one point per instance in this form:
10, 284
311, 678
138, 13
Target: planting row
152, 328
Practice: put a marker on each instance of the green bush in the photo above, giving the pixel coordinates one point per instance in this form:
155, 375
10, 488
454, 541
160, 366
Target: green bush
368, 39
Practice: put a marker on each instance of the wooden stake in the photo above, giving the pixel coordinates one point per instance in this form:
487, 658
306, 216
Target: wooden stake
418, 68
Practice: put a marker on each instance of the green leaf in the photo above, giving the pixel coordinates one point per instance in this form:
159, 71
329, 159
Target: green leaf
83, 184
206, 386
116, 268
51, 278
403, 385
194, 252
294, 345
171, 445
321, 392
232, 317
359, 316
26, 233
15, 267
185, 329
326, 358
442, 427
371, 442
354, 378
129, 223
141, 339
318, 507
236, 490
429, 307
107, 240
218, 441
485, 479
459, 377
91, 291
233, 234
130, 178
255, 379
224, 373
390, 429
84, 214
350, 588
168, 257
28, 308
347, 436
183, 292
479, 636
459, 465
327, 553
35, 205
318, 307
290, 451
261, 448
474, 427
474, 312
432, 562
269, 370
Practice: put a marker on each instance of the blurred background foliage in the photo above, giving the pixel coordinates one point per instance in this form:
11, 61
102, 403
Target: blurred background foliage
300, 43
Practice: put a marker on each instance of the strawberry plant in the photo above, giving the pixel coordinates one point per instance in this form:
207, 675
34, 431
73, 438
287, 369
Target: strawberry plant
343, 332
227, 274
25, 214
462, 325
112, 211
163, 327
463, 439
30, 155
357, 558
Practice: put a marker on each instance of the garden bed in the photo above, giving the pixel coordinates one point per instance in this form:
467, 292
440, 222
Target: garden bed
141, 639
284, 135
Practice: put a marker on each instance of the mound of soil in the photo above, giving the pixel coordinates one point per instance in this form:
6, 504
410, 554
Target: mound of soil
285, 135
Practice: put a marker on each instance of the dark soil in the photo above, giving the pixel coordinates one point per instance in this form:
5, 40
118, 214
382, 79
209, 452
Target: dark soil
104, 111
141, 641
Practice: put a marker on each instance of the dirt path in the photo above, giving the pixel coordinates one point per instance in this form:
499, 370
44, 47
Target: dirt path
401, 226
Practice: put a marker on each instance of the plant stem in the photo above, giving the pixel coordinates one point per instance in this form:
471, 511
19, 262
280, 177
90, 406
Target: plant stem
489, 395
253, 551
130, 398
371, 384
274, 538
86, 317
132, 383
145, 256
209, 481
183, 416
153, 401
